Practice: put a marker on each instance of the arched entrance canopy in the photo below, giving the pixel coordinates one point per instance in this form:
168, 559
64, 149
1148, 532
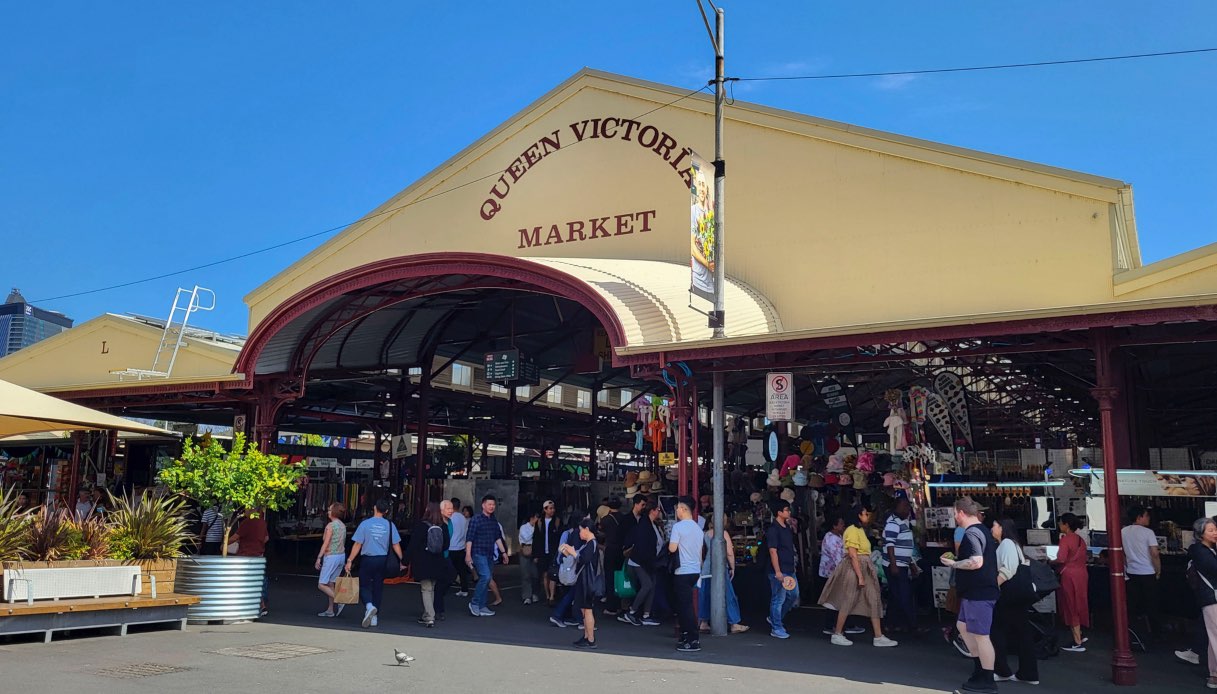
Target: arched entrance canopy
386, 314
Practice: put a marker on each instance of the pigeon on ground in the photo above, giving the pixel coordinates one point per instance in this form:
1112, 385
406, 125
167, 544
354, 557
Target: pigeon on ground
402, 658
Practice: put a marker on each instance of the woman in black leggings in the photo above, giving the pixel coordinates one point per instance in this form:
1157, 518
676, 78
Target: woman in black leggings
643, 548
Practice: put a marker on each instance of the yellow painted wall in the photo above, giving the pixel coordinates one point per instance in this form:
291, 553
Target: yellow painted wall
87, 353
835, 226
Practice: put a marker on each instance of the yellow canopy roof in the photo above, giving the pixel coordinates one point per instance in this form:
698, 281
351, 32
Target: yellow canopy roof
24, 411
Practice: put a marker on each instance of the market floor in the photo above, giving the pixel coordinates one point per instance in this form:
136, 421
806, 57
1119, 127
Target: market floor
515, 651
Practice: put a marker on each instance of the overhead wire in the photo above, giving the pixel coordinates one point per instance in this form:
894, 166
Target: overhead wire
974, 68
332, 229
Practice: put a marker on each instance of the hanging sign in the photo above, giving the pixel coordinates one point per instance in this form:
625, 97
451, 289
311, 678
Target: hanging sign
837, 401
402, 446
779, 396
502, 366
667, 459
1153, 483
703, 229
363, 463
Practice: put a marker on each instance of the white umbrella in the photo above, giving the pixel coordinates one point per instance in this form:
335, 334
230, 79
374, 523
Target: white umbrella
25, 411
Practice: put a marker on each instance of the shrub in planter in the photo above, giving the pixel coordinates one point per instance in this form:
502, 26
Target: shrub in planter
236, 481
54, 536
14, 527
147, 527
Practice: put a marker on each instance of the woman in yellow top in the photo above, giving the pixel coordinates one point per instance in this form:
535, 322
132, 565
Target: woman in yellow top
853, 588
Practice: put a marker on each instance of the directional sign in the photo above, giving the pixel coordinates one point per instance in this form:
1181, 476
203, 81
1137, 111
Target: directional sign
503, 365
779, 397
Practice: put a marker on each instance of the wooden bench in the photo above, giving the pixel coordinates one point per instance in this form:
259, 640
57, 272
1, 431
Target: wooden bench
47, 617
43, 601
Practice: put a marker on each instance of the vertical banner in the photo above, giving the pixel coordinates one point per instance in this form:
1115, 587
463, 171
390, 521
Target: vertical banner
702, 228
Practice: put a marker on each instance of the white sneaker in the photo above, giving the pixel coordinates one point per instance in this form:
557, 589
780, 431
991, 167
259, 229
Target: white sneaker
338, 609
1188, 656
375, 621
325, 613
840, 640
883, 642
369, 616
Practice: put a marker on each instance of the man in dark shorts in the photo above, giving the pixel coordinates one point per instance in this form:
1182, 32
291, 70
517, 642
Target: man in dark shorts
976, 583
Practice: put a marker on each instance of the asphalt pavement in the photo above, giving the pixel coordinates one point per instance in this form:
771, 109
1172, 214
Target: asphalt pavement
293, 650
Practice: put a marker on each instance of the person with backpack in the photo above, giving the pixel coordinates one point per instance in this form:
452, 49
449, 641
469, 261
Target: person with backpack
588, 582
425, 555
561, 616
374, 538
1011, 620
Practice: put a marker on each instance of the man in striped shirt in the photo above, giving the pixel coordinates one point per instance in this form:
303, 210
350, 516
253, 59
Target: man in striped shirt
900, 566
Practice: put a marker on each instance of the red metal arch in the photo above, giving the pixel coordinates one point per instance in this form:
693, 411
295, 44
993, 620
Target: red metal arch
542, 278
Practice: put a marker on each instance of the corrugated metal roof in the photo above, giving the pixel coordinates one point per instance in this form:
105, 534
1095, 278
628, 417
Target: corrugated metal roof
651, 300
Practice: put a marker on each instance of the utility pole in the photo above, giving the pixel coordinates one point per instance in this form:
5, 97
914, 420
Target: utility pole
718, 548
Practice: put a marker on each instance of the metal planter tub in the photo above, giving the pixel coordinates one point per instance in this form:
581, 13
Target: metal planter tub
229, 588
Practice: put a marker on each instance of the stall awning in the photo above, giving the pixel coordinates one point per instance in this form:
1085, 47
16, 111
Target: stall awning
24, 411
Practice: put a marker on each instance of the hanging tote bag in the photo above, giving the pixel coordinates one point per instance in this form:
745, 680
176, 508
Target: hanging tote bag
346, 591
622, 584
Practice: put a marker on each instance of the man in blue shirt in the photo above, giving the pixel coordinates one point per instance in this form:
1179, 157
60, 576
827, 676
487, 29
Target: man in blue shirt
373, 538
481, 539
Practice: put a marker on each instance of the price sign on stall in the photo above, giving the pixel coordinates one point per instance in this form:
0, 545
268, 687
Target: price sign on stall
667, 459
779, 396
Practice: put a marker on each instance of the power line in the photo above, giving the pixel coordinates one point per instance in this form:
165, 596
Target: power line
330, 230
975, 68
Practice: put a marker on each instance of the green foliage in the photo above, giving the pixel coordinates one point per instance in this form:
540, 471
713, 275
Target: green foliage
241, 480
14, 527
95, 534
53, 537
149, 527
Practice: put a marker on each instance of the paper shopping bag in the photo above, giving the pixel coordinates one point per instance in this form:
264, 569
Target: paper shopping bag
346, 592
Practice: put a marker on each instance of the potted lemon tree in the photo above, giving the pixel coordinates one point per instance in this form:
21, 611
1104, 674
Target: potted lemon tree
240, 482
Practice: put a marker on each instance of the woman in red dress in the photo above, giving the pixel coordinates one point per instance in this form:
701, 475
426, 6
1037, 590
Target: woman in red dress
1072, 600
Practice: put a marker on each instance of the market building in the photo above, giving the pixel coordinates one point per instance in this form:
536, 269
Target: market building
858, 261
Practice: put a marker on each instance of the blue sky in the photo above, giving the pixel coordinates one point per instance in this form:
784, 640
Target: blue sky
139, 138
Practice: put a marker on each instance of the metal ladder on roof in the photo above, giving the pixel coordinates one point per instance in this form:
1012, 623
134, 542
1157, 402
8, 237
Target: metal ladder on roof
175, 331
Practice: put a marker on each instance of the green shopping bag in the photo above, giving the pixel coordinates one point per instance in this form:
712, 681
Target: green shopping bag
621, 582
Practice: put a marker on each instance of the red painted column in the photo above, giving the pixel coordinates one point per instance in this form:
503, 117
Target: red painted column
1123, 665
695, 420
680, 412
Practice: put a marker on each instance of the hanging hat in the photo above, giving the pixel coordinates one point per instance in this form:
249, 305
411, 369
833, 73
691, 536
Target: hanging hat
800, 479
815, 480
866, 461
631, 490
646, 476
657, 488
832, 478
672, 475
788, 495
631, 478
773, 480
836, 462
806, 447
847, 451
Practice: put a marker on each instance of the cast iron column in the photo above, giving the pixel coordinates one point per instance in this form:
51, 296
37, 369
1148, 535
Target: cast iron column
420, 467
1123, 665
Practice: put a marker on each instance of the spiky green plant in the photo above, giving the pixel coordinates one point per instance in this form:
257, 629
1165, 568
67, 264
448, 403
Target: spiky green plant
14, 526
52, 536
148, 527
95, 533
